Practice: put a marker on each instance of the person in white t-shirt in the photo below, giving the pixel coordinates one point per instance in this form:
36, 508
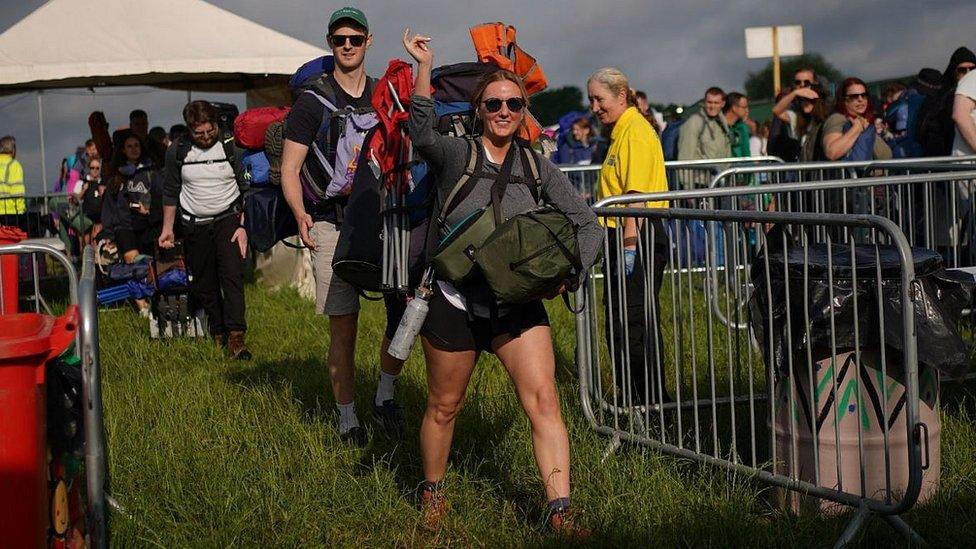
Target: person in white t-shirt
964, 116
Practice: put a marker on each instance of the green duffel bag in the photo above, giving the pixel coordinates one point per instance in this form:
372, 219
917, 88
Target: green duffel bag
530, 256
454, 259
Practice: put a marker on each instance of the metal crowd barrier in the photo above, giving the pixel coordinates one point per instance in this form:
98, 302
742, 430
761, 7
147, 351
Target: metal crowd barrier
909, 201
679, 172
842, 425
797, 172
96, 468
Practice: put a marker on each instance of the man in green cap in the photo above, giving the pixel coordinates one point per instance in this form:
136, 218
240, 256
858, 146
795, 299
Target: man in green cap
318, 223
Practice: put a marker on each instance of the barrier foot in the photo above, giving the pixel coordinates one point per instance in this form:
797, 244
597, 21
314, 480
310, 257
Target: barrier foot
611, 448
901, 526
114, 505
853, 527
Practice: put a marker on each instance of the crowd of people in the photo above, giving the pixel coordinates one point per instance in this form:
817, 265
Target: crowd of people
140, 188
930, 116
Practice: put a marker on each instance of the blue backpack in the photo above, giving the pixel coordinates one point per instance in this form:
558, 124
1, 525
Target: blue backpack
310, 71
254, 164
669, 139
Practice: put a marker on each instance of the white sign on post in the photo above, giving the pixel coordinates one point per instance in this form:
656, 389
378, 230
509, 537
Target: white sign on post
759, 41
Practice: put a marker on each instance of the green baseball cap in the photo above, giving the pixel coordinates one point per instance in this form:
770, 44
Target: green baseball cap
356, 15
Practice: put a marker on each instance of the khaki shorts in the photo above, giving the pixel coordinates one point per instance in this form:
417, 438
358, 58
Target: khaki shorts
333, 296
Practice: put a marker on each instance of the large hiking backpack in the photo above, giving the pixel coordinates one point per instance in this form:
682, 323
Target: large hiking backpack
452, 87
252, 125
669, 139
226, 115
354, 124
310, 72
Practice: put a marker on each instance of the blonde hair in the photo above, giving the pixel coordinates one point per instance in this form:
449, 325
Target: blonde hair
616, 81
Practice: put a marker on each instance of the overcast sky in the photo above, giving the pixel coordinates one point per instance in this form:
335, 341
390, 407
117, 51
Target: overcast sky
671, 50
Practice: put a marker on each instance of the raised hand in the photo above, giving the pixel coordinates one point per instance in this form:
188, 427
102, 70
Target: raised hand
806, 93
418, 47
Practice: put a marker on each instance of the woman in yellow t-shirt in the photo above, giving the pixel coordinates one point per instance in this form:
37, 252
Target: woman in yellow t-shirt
634, 164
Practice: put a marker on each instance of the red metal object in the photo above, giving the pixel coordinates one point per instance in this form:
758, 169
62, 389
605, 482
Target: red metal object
27, 342
9, 270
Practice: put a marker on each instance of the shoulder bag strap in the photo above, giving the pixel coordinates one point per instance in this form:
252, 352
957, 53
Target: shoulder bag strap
530, 167
501, 183
474, 162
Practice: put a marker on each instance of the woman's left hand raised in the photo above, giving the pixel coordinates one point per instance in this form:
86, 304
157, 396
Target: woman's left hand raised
418, 47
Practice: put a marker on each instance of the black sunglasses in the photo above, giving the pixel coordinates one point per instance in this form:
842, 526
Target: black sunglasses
514, 104
802, 83
339, 40
853, 96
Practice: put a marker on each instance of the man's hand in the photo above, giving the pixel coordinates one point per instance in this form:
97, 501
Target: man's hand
305, 224
166, 238
240, 236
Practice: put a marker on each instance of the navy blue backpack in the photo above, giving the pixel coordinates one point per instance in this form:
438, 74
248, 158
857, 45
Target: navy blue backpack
669, 139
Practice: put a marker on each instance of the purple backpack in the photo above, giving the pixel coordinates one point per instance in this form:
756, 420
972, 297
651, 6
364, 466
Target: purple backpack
355, 123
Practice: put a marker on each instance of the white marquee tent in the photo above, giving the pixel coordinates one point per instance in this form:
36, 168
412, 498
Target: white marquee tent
175, 44
182, 44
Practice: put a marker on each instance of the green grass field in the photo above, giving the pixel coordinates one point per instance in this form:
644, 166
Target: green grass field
205, 452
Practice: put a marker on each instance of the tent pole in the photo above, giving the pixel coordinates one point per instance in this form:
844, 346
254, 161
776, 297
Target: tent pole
40, 127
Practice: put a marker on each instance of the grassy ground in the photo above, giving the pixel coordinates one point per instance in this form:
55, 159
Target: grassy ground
204, 452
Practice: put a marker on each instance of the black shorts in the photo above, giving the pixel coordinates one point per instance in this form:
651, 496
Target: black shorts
451, 329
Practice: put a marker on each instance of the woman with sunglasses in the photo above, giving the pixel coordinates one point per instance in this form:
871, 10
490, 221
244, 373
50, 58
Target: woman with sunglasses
463, 322
849, 133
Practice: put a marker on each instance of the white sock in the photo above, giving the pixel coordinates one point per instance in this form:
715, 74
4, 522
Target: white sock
347, 416
385, 388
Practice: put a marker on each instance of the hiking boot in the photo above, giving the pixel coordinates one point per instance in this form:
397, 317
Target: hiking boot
433, 505
390, 416
220, 339
563, 523
354, 437
236, 348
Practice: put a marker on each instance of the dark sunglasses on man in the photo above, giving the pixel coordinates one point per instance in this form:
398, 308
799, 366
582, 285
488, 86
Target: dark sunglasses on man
514, 104
339, 40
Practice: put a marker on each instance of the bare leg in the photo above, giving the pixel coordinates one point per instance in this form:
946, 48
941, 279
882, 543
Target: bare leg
342, 352
389, 363
448, 374
531, 363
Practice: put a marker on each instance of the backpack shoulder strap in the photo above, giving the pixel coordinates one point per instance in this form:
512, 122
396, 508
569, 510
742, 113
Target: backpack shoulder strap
475, 161
324, 91
182, 149
530, 168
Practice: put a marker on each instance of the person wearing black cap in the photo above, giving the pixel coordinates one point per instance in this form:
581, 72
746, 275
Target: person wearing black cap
347, 87
935, 128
